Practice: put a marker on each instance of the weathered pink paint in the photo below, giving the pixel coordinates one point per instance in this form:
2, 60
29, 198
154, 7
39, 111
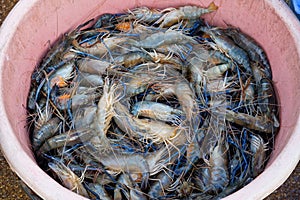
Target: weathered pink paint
24, 38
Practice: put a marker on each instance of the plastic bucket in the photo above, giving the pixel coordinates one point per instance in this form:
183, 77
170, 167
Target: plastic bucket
24, 39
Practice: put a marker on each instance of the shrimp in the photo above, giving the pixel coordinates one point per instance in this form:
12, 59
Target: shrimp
248, 96
42, 116
46, 131
163, 38
77, 101
193, 152
144, 14
99, 191
132, 58
254, 50
226, 45
135, 192
255, 123
89, 80
258, 148
217, 57
156, 111
65, 139
103, 116
129, 124
166, 59
164, 181
54, 56
208, 134
117, 193
178, 86
219, 173
84, 99
267, 100
257, 72
217, 70
156, 131
100, 49
196, 72
105, 21
60, 76
93, 66
31, 100
184, 13
185, 189
84, 116
135, 165
137, 84
167, 155
215, 177
186, 98
69, 179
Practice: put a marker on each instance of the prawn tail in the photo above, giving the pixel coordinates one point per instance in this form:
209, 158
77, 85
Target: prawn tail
212, 7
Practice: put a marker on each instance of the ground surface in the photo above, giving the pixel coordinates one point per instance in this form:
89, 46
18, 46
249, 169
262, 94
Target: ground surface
10, 184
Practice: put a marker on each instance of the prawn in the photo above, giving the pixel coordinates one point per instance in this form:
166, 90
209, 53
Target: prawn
166, 59
46, 131
84, 116
164, 181
53, 57
69, 179
254, 50
226, 45
137, 84
186, 98
93, 66
100, 49
267, 100
99, 191
257, 123
135, 165
135, 192
89, 80
157, 131
163, 38
219, 173
215, 177
145, 14
65, 139
60, 76
103, 116
184, 13
132, 58
105, 21
217, 70
157, 111
258, 148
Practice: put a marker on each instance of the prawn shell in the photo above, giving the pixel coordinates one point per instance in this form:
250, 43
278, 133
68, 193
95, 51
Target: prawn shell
45, 132
156, 111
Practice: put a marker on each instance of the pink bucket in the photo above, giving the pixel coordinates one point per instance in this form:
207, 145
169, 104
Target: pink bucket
24, 38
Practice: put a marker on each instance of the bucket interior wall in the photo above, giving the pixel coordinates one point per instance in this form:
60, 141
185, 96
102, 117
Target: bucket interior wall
48, 20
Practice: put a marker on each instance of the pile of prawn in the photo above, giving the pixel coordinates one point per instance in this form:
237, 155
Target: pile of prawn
153, 104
